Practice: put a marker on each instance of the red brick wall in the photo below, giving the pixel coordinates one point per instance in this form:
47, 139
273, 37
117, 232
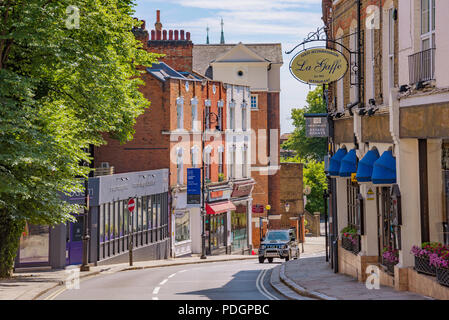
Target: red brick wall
178, 53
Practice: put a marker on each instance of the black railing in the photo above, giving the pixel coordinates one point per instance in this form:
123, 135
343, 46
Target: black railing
422, 66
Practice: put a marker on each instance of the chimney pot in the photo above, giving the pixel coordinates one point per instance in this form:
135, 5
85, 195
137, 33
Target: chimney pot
153, 35
158, 35
158, 24
164, 35
188, 36
158, 15
170, 35
176, 34
182, 34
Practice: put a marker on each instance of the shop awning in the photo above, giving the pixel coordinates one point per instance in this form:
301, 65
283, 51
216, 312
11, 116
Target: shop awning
348, 164
384, 169
219, 207
335, 162
365, 167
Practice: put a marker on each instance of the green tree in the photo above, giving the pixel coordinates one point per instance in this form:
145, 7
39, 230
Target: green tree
314, 177
308, 148
61, 87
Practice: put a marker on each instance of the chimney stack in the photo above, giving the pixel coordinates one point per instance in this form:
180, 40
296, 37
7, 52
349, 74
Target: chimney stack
158, 24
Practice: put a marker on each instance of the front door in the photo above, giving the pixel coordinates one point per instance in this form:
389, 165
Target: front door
74, 243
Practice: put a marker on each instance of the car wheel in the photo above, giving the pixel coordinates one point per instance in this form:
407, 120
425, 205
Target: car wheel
261, 260
270, 260
287, 258
297, 255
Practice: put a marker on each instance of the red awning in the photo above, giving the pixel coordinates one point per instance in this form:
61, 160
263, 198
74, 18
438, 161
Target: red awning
219, 207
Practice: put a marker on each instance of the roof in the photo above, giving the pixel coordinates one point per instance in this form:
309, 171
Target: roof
204, 54
162, 72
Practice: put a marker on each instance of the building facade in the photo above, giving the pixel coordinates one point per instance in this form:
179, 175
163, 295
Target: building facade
387, 173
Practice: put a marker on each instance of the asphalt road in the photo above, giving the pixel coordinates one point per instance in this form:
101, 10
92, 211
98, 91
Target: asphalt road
231, 280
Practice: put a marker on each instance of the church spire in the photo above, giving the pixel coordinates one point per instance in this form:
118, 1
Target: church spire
222, 41
207, 39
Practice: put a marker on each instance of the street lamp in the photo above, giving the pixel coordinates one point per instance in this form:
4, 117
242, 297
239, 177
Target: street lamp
203, 187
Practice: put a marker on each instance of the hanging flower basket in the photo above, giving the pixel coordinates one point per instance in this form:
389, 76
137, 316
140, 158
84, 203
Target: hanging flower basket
346, 244
422, 265
443, 276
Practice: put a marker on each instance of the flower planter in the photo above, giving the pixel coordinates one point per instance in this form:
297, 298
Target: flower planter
346, 244
388, 266
422, 266
443, 276
356, 246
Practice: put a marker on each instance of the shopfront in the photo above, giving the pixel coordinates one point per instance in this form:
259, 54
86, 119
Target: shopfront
181, 224
241, 216
218, 216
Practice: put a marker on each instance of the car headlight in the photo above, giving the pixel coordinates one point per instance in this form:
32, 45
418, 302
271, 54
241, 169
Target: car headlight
284, 246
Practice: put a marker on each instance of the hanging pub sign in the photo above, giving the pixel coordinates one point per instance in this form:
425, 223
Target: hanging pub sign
318, 66
316, 125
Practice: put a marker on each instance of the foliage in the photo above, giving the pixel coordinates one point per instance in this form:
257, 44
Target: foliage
10, 230
221, 177
390, 255
60, 89
350, 233
437, 253
308, 148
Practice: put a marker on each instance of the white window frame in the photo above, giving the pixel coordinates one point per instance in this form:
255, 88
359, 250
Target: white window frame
430, 34
220, 114
207, 162
220, 160
256, 98
207, 105
179, 167
232, 115
232, 165
244, 116
180, 113
194, 156
194, 105
245, 161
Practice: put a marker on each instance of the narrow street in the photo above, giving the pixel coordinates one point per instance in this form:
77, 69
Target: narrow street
236, 280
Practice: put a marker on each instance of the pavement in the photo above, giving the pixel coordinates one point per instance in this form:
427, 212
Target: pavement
312, 277
32, 283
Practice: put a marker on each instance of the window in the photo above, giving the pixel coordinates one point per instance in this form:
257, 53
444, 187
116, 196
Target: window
388, 234
220, 160
352, 192
220, 116
254, 101
244, 118
207, 113
179, 167
180, 113
427, 24
232, 162
182, 226
194, 157
207, 161
391, 48
194, 103
244, 161
232, 115
371, 63
354, 92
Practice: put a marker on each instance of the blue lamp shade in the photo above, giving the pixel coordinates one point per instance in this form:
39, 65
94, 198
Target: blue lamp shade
365, 168
348, 164
384, 169
335, 162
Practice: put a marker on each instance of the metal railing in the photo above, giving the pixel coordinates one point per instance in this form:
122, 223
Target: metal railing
422, 66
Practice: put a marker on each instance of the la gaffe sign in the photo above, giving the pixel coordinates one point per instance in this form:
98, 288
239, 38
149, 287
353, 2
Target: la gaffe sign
319, 66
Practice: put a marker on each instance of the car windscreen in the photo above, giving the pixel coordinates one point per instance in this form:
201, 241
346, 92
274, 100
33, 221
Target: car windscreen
277, 235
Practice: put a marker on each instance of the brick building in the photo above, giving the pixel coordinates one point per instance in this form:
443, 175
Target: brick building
389, 166
257, 66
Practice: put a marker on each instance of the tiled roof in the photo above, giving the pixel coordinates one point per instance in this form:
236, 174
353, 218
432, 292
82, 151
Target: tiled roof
163, 72
204, 54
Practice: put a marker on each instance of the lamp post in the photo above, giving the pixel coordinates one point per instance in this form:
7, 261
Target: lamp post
268, 207
203, 184
85, 265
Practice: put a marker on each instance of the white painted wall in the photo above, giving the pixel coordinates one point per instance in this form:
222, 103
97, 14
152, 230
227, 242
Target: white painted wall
442, 43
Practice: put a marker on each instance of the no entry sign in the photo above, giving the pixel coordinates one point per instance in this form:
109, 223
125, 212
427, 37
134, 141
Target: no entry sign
131, 205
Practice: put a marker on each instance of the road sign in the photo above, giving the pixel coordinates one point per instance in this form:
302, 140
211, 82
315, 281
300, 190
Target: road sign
131, 205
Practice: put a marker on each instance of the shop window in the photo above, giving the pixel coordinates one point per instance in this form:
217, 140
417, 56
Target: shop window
34, 244
239, 227
182, 226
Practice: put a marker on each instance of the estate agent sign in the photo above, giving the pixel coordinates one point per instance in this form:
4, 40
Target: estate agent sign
319, 66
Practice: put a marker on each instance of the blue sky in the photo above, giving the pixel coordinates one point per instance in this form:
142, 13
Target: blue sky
248, 21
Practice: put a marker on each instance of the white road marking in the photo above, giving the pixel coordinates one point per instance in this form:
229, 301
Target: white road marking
182, 271
172, 275
55, 294
261, 288
155, 298
163, 282
156, 290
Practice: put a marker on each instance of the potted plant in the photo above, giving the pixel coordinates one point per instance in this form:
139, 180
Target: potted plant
349, 238
221, 177
422, 257
390, 258
440, 261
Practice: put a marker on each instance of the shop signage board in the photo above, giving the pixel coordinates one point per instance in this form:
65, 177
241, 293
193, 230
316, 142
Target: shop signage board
194, 187
316, 125
318, 66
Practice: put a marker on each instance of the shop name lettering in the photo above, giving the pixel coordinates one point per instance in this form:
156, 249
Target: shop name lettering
321, 66
134, 185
